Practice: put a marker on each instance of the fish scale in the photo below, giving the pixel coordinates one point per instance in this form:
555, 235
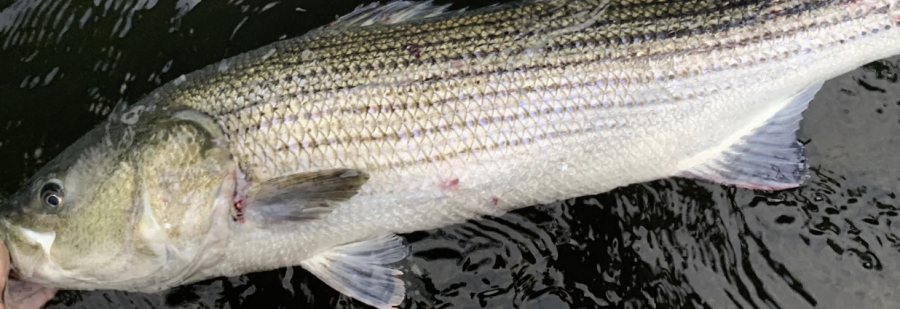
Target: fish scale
355, 132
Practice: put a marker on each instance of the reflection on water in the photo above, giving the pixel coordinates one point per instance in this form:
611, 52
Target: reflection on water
666, 244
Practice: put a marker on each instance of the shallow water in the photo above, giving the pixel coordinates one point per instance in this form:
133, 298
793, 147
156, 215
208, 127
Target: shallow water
664, 244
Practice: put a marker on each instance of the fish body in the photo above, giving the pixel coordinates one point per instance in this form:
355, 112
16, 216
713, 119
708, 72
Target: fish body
317, 150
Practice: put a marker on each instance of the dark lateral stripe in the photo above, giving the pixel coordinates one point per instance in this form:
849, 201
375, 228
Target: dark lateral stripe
680, 30
464, 74
403, 107
617, 13
548, 133
399, 58
435, 81
488, 145
338, 63
664, 10
616, 39
350, 48
418, 64
395, 108
343, 40
430, 130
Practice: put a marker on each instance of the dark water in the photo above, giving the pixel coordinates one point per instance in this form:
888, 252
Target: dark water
666, 244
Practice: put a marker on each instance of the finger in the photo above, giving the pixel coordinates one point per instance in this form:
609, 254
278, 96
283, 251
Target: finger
25, 295
20, 294
4, 274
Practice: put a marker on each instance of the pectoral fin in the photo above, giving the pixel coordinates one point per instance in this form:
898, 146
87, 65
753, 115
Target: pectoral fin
302, 196
770, 158
360, 270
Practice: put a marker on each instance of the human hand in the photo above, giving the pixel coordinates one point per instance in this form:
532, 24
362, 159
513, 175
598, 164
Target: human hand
20, 294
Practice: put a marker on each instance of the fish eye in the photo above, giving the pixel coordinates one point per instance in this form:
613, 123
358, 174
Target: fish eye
52, 194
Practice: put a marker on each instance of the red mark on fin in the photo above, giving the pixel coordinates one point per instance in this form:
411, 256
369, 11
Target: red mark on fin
414, 50
495, 200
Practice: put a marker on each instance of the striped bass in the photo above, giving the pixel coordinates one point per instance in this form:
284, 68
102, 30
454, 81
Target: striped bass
317, 151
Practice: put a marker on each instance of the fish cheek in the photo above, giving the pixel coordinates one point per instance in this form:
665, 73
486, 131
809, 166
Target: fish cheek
92, 236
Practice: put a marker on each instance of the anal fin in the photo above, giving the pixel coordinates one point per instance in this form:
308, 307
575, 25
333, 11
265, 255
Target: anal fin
769, 158
301, 196
360, 270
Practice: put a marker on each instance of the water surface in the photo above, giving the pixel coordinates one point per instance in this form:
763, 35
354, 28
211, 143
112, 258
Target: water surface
665, 244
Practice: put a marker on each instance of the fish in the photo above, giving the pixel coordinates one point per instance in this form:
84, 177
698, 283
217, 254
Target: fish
319, 151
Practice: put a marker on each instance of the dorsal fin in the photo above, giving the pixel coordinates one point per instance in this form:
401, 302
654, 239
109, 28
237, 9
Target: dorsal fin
391, 13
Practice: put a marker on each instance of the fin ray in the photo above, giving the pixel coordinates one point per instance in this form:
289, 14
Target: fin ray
769, 158
302, 196
387, 14
359, 270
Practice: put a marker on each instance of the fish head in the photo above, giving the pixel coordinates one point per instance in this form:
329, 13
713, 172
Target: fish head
128, 201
